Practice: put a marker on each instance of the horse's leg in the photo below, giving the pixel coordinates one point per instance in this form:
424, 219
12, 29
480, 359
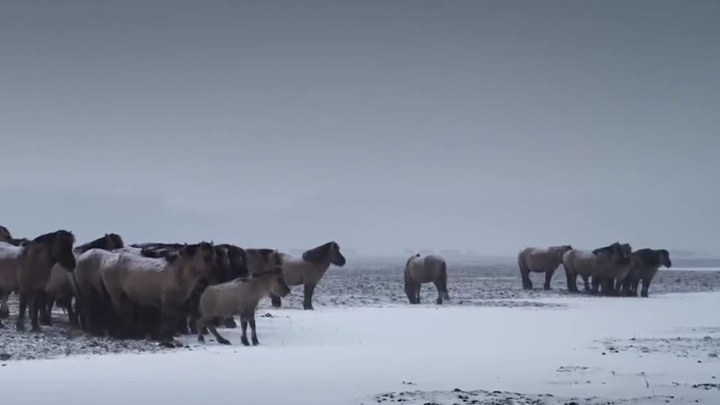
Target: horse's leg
595, 285
253, 336
66, 303
36, 302
244, 325
275, 301
418, 288
548, 279
22, 308
219, 338
571, 286
586, 281
4, 310
46, 307
168, 321
199, 326
439, 300
646, 280
308, 294
525, 274
229, 322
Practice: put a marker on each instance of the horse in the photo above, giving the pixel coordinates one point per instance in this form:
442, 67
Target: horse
644, 264
162, 283
60, 286
33, 264
591, 263
308, 269
239, 297
604, 277
428, 269
540, 260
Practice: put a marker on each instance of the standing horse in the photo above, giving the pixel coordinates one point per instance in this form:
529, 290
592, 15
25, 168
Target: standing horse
60, 287
644, 264
164, 283
605, 276
37, 259
591, 263
309, 269
428, 269
540, 260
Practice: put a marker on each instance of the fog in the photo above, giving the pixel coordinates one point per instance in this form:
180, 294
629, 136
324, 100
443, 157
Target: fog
387, 126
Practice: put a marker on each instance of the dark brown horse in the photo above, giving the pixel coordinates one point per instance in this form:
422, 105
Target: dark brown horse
644, 264
37, 260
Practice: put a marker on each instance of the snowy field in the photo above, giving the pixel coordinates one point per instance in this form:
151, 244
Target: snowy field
493, 344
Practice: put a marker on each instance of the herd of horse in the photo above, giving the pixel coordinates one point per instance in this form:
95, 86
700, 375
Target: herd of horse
613, 270
156, 290
161, 290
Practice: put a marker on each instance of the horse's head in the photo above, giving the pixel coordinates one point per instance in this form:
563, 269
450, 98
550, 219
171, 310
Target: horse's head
615, 252
559, 251
262, 260
664, 257
237, 265
329, 252
200, 257
60, 247
113, 241
277, 284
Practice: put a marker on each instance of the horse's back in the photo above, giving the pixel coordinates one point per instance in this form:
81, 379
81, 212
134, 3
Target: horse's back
425, 269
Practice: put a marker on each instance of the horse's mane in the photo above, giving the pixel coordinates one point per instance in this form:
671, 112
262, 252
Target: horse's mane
411, 257
102, 242
50, 237
606, 249
18, 241
5, 232
318, 254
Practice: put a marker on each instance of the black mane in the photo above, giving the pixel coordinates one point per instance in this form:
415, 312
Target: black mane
317, 254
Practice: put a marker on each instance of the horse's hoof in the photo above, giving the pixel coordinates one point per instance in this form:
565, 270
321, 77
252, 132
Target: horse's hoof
439, 302
223, 341
20, 327
245, 341
255, 342
168, 345
201, 338
35, 329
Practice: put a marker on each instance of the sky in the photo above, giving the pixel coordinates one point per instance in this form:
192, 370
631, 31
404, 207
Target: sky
387, 126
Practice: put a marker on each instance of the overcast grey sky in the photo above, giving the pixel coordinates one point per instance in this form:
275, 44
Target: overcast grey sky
384, 125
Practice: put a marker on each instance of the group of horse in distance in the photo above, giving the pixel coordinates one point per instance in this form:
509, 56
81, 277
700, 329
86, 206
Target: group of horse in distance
613, 270
151, 290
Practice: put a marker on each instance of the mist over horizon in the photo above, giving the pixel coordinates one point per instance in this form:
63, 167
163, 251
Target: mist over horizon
387, 127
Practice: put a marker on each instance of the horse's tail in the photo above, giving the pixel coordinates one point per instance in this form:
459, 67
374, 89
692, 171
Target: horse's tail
442, 281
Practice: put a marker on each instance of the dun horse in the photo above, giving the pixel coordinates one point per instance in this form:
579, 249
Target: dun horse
5, 235
540, 260
309, 269
164, 283
591, 263
428, 269
26, 269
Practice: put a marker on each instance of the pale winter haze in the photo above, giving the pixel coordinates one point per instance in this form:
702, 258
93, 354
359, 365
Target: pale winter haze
483, 126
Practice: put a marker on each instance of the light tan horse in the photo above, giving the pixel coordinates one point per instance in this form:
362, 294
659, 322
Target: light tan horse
60, 286
309, 269
540, 260
164, 283
239, 297
425, 269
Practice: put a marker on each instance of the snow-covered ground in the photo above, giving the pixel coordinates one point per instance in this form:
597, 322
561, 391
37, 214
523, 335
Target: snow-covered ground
587, 350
